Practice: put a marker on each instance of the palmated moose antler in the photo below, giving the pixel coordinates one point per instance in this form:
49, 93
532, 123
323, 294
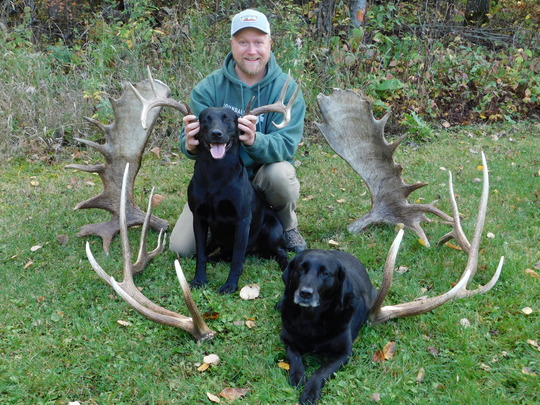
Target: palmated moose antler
356, 136
381, 314
125, 142
129, 292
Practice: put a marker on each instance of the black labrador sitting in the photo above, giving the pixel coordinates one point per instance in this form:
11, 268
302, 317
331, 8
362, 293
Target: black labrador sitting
224, 202
328, 297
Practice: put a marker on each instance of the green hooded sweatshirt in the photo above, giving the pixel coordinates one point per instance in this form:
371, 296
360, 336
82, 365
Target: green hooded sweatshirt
223, 88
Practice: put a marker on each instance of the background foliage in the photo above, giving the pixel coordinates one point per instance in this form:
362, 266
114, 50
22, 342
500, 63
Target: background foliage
62, 59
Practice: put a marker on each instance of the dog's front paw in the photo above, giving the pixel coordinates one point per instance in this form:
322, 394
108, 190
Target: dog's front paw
197, 283
228, 288
311, 393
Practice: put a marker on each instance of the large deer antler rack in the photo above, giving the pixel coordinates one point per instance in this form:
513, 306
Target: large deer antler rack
125, 142
381, 314
356, 136
129, 292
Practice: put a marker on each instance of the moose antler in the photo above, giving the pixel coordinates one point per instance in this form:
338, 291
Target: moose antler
129, 292
279, 106
124, 143
380, 315
356, 136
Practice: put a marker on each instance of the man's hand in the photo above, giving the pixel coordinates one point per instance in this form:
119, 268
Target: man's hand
247, 127
191, 129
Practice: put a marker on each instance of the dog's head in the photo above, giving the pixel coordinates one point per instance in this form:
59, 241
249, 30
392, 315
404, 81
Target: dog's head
218, 130
315, 277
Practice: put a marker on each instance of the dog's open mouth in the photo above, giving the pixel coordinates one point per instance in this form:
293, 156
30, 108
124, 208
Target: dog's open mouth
218, 150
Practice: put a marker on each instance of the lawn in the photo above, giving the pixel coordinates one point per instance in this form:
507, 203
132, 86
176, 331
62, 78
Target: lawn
61, 339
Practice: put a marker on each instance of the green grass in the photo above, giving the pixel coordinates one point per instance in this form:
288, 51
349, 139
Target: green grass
60, 340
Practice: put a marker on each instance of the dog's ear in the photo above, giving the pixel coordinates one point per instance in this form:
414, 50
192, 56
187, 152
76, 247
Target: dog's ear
286, 275
346, 286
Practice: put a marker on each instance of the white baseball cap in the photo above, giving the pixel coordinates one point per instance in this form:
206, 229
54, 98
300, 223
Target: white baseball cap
250, 19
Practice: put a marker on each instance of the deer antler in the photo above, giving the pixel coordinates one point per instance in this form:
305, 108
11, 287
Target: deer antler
129, 292
380, 315
279, 106
157, 101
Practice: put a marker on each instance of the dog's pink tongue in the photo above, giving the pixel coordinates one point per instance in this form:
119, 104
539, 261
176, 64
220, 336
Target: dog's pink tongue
217, 150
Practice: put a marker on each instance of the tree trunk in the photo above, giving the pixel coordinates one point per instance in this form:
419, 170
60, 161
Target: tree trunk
476, 11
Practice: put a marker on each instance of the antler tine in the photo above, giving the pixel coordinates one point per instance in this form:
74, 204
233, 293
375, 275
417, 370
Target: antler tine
278, 106
157, 102
144, 256
129, 292
380, 315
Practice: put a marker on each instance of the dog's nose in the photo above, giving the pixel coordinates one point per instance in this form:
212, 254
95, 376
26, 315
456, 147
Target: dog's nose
217, 133
306, 293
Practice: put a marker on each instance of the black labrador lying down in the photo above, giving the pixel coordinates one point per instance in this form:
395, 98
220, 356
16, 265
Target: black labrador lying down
224, 202
328, 297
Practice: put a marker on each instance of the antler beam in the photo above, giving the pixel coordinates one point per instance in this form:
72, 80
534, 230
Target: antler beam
129, 292
382, 314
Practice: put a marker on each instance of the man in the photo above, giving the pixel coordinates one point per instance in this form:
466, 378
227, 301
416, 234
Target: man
250, 69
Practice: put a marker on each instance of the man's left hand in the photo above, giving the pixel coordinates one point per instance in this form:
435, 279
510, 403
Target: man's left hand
247, 127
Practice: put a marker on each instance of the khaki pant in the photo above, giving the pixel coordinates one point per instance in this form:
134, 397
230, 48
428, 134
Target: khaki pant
281, 188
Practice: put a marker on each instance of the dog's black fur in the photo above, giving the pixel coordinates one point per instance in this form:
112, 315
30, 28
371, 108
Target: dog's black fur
224, 201
328, 297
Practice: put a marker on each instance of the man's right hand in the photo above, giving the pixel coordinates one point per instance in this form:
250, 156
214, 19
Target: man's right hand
191, 129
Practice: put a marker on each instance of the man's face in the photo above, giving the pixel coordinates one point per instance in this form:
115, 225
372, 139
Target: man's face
251, 51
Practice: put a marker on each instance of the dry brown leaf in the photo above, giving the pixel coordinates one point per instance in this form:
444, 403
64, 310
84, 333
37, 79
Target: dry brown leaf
283, 365
211, 359
378, 356
527, 310
90, 183
62, 239
211, 315
534, 343
34, 183
157, 199
40, 299
309, 197
485, 367
123, 323
532, 273
333, 243
421, 375
35, 248
250, 292
341, 201
28, 264
156, 151
233, 393
251, 324
389, 349
213, 398
528, 371
452, 246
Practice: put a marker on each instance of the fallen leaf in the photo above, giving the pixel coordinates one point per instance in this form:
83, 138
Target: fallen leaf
156, 151
309, 197
35, 248
341, 201
528, 371
452, 246
90, 183
527, 310
40, 298
376, 397
283, 365
157, 199
211, 315
28, 264
402, 269
532, 273
250, 292
446, 124
211, 359
533, 343
251, 324
333, 243
203, 367
34, 183
433, 350
62, 239
233, 393
389, 350
490, 235
485, 367
213, 398
123, 323
421, 375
